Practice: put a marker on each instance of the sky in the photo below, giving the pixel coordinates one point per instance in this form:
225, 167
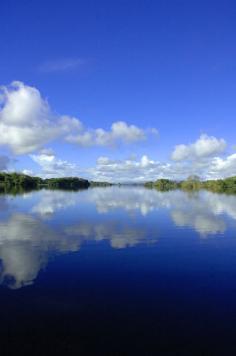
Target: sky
122, 90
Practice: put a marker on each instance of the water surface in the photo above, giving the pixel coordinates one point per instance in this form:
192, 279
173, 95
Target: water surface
116, 271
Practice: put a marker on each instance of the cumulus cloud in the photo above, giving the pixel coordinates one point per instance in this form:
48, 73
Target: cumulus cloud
205, 146
26, 120
27, 123
146, 169
223, 167
124, 170
199, 158
137, 170
120, 132
51, 166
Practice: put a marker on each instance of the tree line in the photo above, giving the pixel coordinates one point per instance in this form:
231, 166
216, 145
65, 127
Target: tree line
193, 183
14, 181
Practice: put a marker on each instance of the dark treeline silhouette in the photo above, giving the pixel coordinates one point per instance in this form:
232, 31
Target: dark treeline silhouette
99, 184
18, 179
66, 183
10, 182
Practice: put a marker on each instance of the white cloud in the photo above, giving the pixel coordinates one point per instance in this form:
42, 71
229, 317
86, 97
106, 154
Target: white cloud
130, 170
146, 169
205, 146
27, 123
120, 132
52, 166
223, 168
26, 120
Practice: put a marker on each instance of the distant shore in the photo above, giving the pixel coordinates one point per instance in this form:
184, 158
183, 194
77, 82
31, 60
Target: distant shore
18, 181
227, 185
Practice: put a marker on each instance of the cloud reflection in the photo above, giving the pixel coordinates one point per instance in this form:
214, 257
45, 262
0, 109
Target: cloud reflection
119, 236
124, 217
203, 211
27, 243
52, 201
25, 247
203, 224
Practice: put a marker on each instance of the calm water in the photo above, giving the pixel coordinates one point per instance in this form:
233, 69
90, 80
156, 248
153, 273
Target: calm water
118, 271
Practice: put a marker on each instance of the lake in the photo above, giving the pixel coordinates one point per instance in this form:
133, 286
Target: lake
118, 271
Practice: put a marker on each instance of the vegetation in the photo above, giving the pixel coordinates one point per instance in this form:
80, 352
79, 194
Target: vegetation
100, 184
66, 183
163, 184
17, 182
227, 185
10, 182
193, 183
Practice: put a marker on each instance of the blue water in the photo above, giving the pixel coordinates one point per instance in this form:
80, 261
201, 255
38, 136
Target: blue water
118, 271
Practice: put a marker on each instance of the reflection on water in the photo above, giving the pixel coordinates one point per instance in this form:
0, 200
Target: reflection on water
39, 225
50, 202
119, 236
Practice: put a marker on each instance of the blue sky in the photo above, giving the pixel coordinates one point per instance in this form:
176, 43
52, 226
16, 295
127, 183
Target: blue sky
163, 73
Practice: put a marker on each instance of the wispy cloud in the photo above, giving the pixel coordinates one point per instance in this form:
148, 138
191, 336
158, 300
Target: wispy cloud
61, 65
